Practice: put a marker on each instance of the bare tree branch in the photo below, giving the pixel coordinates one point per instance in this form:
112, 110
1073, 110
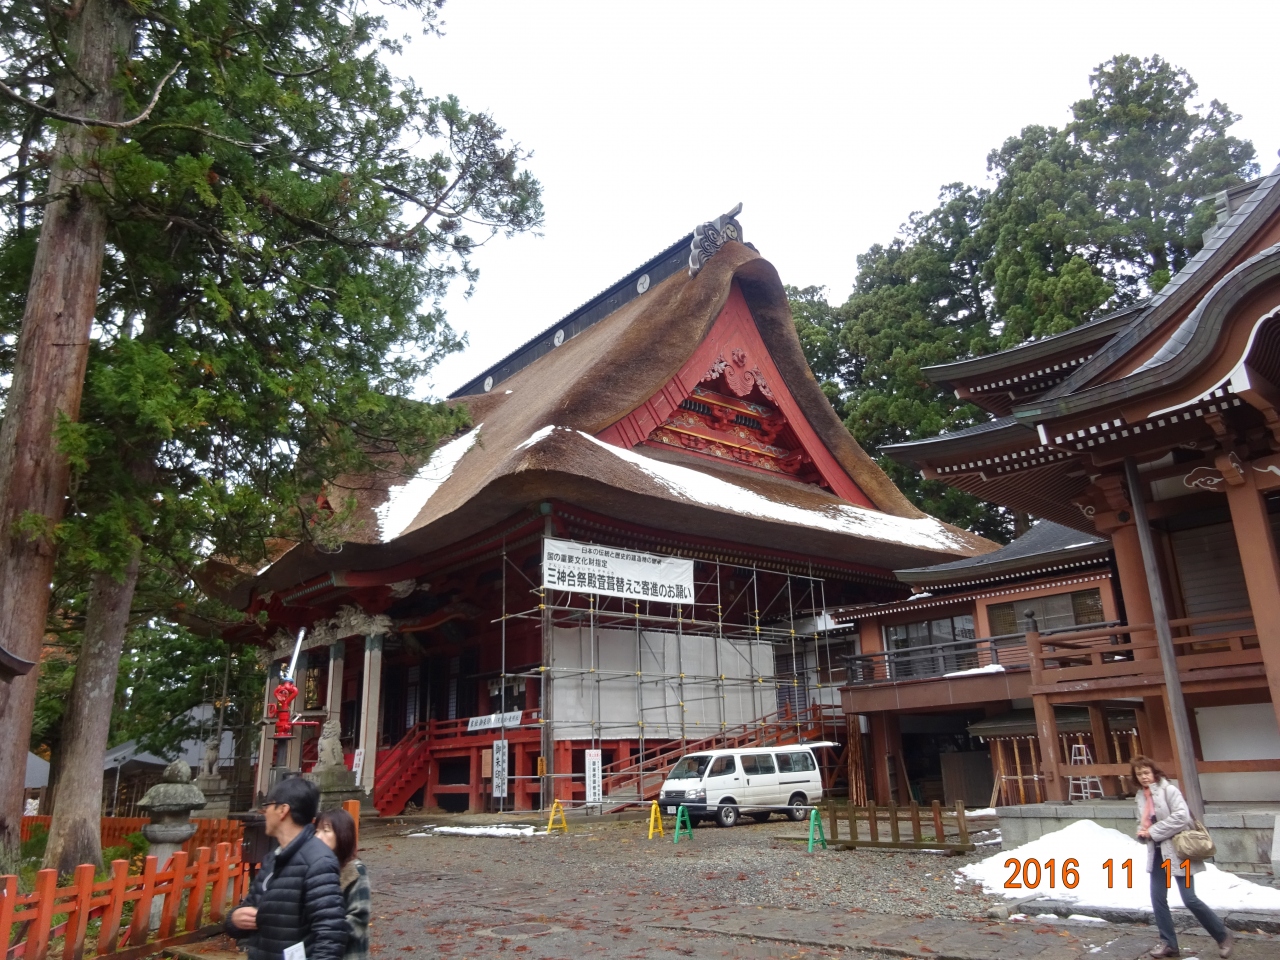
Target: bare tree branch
87, 121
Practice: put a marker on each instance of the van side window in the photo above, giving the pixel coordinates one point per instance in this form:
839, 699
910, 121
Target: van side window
721, 766
757, 764
796, 762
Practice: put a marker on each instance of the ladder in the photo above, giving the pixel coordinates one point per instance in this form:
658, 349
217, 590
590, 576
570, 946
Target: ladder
1083, 788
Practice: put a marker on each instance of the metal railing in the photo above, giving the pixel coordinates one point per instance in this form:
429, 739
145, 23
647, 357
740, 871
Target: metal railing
952, 657
1008, 651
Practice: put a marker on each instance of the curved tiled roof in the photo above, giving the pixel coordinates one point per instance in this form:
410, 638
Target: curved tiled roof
1046, 543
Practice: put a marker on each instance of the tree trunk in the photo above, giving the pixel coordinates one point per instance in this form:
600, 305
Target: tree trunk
75, 835
48, 374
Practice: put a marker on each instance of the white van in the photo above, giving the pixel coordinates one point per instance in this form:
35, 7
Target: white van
720, 784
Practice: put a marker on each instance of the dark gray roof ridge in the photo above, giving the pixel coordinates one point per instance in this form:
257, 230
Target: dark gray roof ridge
942, 443
1045, 542
1225, 242
620, 293
1105, 325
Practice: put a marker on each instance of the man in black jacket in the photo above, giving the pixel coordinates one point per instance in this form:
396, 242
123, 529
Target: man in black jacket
295, 901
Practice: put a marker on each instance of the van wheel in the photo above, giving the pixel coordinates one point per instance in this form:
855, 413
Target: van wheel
761, 817
797, 805
727, 815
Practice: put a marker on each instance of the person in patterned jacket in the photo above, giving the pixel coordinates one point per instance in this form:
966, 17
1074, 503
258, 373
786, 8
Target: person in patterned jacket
337, 831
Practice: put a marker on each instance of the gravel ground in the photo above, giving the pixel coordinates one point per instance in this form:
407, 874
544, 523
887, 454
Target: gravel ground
743, 865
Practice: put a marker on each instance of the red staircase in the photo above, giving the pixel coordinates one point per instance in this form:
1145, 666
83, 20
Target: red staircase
634, 780
403, 769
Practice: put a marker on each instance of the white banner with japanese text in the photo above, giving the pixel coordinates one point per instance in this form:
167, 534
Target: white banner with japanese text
615, 572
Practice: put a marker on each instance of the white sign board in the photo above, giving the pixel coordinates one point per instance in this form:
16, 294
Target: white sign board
357, 764
499, 768
615, 572
595, 770
495, 721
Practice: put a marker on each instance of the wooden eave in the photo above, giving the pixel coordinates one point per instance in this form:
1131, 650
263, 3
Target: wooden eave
999, 381
1253, 228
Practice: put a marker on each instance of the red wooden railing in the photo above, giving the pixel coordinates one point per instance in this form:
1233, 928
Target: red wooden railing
209, 881
209, 833
403, 768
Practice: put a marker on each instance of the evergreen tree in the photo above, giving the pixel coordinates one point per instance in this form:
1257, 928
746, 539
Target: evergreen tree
1076, 221
275, 216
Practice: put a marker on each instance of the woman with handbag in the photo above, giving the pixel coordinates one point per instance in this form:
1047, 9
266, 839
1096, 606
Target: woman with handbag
1162, 815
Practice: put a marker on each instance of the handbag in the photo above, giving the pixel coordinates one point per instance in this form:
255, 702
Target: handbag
1194, 843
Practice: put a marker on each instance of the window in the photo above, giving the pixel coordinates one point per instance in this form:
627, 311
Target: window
930, 648
757, 764
690, 768
723, 766
1051, 613
795, 762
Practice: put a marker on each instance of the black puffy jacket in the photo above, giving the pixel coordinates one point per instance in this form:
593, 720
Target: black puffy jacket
299, 899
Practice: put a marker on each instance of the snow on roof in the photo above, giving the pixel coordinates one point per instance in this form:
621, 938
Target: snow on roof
405, 501
839, 517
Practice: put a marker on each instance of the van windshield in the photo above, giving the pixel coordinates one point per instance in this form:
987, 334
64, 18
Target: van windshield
690, 768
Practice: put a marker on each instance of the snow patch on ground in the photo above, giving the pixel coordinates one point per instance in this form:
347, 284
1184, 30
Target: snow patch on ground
500, 830
406, 501
1092, 845
712, 491
989, 668
984, 812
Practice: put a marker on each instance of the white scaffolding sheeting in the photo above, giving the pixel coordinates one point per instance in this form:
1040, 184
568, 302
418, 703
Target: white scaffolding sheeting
678, 685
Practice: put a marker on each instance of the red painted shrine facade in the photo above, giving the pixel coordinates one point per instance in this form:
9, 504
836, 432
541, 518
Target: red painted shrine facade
673, 415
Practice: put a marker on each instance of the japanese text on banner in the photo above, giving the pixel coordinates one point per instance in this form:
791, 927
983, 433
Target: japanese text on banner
615, 572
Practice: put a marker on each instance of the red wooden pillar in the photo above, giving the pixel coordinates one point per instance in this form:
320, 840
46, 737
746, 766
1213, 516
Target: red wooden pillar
1257, 546
1137, 602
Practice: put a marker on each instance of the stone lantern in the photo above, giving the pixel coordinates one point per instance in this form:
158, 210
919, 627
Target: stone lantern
169, 804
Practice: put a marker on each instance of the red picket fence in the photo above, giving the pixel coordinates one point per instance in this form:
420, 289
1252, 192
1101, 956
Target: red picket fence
209, 833
207, 882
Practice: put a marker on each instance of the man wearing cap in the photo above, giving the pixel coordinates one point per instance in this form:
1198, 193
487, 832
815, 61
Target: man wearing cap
294, 909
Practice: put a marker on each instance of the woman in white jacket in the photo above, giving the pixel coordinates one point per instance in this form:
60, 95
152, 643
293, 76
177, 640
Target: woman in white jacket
1162, 813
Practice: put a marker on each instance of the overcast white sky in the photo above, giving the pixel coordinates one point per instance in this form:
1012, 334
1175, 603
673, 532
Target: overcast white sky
830, 122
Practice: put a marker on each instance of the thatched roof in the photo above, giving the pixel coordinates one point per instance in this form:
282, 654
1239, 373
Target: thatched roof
534, 440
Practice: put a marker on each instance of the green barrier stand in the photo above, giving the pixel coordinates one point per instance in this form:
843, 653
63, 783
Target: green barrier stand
683, 823
816, 833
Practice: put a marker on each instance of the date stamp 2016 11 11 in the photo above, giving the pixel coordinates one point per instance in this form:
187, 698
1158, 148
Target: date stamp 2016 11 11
1028, 874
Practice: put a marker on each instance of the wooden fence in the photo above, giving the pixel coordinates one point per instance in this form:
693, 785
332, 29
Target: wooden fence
190, 896
863, 826
209, 833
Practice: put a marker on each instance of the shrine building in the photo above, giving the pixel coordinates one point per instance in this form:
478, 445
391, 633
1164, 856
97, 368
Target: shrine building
633, 549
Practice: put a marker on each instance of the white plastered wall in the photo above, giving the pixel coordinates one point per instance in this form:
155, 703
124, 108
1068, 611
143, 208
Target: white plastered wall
1245, 731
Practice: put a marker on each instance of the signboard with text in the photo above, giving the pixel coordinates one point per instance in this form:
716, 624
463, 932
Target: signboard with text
499, 768
494, 721
615, 572
595, 770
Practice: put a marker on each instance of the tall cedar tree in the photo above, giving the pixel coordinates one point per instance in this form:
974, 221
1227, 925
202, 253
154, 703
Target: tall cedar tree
1075, 222
234, 214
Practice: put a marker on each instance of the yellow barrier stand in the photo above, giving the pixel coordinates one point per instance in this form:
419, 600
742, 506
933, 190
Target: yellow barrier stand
557, 811
655, 821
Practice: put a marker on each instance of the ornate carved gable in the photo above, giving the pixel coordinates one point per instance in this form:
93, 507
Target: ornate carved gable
728, 402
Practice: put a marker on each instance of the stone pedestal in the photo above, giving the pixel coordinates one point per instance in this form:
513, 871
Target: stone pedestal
217, 795
337, 784
169, 804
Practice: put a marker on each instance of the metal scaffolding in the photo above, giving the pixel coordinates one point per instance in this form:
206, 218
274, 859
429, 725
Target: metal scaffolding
749, 635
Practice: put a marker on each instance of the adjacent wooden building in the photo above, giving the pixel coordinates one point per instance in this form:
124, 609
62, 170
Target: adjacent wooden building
1171, 408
